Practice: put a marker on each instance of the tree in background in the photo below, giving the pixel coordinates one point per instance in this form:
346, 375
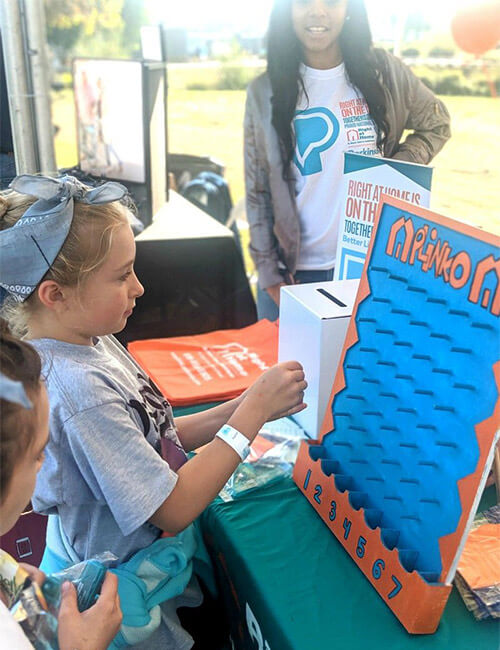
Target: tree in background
94, 27
134, 16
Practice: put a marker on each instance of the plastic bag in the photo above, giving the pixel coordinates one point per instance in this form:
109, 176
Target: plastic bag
478, 574
35, 608
27, 603
272, 455
32, 613
87, 577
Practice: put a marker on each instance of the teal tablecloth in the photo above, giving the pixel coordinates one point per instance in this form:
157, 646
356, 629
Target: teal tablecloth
276, 557
287, 582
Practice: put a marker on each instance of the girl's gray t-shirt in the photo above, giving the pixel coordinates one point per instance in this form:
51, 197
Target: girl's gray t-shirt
103, 473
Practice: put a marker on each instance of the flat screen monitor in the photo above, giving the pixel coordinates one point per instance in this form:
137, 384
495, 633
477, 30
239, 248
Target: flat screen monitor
110, 118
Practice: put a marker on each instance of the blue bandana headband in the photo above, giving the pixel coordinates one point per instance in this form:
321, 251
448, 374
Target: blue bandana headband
29, 248
13, 391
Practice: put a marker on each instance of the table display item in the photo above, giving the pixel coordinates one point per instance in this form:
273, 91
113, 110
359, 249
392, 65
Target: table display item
365, 179
208, 367
313, 324
271, 456
478, 573
410, 430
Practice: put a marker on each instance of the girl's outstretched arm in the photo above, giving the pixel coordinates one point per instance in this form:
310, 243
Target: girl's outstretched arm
198, 429
278, 392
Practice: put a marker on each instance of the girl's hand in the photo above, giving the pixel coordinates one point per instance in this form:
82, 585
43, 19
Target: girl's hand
35, 574
95, 628
279, 391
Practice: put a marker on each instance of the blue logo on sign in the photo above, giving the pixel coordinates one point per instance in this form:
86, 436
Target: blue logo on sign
316, 130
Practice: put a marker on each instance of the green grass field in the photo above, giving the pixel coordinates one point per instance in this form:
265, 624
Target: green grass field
209, 122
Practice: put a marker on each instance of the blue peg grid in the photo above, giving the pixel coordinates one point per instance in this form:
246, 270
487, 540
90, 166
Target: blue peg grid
418, 380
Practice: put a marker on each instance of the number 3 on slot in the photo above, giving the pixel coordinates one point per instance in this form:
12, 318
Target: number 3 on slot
333, 510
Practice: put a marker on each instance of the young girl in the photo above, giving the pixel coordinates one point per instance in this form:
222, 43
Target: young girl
326, 91
24, 432
116, 474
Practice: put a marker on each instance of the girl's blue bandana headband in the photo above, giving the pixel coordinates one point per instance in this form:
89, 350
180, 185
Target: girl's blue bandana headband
29, 248
13, 391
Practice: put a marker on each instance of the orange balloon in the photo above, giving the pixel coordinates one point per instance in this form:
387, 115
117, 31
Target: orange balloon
477, 29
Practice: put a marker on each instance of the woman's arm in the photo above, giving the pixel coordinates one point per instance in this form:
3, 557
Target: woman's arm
430, 122
424, 114
263, 244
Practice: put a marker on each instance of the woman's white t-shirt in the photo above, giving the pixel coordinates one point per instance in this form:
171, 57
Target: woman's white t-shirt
11, 633
331, 118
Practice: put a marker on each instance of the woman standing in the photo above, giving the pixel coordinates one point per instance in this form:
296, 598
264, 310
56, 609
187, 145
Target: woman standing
326, 91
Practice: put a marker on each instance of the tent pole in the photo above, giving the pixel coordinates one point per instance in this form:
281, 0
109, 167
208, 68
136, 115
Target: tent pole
23, 128
39, 64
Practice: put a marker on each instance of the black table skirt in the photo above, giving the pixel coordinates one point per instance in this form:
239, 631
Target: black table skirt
194, 282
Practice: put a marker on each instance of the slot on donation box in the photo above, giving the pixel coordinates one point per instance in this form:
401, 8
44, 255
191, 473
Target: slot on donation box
313, 325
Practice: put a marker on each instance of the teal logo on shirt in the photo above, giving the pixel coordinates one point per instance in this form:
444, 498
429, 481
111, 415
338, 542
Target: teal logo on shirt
316, 130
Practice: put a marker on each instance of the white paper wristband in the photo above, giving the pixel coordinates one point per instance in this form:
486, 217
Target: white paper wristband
234, 439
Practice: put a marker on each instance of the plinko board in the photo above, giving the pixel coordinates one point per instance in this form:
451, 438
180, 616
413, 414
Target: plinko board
409, 432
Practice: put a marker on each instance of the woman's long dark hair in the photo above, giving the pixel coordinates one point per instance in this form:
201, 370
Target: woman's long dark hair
364, 69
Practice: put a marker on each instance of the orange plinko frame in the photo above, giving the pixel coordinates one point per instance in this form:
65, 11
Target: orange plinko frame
416, 603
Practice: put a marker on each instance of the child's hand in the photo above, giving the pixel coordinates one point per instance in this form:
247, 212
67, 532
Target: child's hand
35, 574
279, 391
95, 628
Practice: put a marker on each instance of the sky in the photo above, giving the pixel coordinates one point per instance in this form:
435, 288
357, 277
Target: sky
253, 15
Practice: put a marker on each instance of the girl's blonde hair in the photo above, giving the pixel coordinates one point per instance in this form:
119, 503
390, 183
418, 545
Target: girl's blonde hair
85, 249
